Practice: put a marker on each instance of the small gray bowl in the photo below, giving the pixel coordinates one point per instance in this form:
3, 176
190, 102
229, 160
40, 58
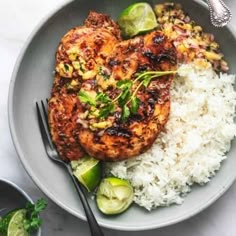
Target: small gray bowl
13, 197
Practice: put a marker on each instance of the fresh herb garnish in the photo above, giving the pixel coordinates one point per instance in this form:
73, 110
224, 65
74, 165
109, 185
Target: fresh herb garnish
103, 73
127, 98
66, 67
106, 110
124, 97
102, 97
125, 113
30, 222
124, 84
86, 98
135, 102
33, 220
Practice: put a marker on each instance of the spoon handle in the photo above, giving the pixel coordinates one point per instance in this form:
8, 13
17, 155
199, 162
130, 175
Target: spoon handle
220, 14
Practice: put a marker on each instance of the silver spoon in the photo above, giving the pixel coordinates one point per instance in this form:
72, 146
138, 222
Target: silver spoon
220, 14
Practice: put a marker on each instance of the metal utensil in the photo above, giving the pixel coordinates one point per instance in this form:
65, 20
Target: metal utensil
220, 14
53, 155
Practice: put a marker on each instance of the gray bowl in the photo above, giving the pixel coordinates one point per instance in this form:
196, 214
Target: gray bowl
32, 80
13, 197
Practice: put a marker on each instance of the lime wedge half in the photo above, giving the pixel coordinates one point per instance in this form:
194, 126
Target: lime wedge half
13, 223
114, 195
137, 18
88, 171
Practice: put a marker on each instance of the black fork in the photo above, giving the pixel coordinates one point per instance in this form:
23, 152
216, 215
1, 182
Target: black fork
54, 156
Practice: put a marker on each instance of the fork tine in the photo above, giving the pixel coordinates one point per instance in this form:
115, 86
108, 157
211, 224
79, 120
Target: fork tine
45, 113
46, 121
43, 131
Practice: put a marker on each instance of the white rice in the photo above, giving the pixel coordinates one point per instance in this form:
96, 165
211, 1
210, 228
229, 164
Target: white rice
197, 137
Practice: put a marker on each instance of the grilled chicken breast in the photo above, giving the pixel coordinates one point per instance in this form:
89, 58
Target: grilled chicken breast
91, 60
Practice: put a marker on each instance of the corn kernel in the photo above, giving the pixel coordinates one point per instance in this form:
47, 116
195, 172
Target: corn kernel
158, 9
214, 45
73, 50
212, 55
197, 28
89, 74
65, 70
102, 124
181, 48
76, 65
74, 83
73, 56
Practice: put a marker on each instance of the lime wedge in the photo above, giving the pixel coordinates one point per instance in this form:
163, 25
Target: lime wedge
114, 195
137, 18
13, 223
88, 171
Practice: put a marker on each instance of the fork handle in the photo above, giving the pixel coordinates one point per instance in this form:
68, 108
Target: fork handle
95, 229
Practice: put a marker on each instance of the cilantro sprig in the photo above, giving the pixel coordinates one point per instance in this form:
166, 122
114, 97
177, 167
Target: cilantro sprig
127, 98
33, 220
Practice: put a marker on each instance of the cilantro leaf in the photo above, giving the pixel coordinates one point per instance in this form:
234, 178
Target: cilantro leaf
135, 102
125, 113
84, 97
32, 224
33, 221
125, 96
40, 205
124, 84
106, 110
103, 98
66, 66
147, 80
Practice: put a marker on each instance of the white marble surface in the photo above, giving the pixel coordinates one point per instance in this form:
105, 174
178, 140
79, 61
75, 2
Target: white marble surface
17, 20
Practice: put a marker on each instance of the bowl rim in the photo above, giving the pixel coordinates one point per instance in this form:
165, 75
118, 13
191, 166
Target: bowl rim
37, 181
22, 192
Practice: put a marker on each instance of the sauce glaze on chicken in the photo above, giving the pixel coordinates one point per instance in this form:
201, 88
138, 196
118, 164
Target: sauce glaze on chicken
93, 58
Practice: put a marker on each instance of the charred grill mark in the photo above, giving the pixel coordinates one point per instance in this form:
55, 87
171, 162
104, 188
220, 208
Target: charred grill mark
113, 62
154, 94
166, 56
142, 68
119, 131
150, 55
151, 103
136, 117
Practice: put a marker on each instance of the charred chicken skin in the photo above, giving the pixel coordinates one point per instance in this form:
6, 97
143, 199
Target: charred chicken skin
91, 62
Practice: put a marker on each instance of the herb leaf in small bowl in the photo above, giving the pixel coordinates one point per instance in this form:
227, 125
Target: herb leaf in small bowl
22, 221
33, 221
